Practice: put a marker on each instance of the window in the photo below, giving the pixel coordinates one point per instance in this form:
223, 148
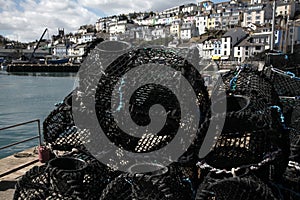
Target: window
216, 51
246, 53
257, 17
219, 52
225, 53
225, 46
257, 48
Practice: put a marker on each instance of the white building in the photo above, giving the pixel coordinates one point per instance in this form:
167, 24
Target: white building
208, 49
175, 28
188, 30
201, 23
174, 10
229, 40
117, 27
160, 32
60, 50
88, 37
189, 8
257, 14
251, 46
286, 8
103, 24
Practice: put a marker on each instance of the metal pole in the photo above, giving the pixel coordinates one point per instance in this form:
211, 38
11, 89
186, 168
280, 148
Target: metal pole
39, 127
293, 35
273, 26
286, 35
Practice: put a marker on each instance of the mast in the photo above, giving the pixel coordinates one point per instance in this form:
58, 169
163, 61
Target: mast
273, 26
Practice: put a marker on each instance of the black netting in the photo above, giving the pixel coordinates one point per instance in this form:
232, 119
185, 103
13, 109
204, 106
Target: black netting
147, 96
283, 83
252, 84
175, 183
59, 128
254, 144
253, 125
60, 179
234, 188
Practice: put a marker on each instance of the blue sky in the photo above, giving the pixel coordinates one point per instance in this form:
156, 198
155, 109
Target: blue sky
25, 20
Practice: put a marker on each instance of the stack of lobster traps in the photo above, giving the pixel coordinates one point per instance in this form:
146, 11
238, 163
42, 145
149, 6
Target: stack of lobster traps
255, 152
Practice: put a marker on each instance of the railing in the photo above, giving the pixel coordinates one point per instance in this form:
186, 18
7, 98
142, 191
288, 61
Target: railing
27, 139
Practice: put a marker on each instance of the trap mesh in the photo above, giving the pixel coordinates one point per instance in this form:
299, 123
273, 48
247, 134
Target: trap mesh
37, 184
234, 188
252, 128
283, 84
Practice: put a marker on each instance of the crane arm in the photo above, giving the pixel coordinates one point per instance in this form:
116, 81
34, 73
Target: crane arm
37, 46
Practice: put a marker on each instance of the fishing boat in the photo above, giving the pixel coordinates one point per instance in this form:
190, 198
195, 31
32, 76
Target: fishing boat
58, 61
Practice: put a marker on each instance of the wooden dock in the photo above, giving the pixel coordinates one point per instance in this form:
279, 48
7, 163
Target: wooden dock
13, 167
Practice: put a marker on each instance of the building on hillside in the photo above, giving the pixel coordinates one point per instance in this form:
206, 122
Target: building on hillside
217, 43
160, 32
175, 28
208, 49
119, 27
60, 50
251, 46
188, 30
229, 40
206, 6
286, 8
201, 23
257, 14
87, 37
211, 23
174, 10
102, 25
190, 8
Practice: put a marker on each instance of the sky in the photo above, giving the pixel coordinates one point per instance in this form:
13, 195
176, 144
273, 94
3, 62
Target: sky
25, 20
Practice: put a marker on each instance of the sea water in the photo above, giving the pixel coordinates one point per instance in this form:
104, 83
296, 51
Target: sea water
25, 97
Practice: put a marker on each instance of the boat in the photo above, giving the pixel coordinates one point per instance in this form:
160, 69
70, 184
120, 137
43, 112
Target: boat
58, 61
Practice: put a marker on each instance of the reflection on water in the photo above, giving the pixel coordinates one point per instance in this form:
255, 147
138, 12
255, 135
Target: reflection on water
27, 96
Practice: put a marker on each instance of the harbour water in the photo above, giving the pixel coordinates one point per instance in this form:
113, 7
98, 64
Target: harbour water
24, 97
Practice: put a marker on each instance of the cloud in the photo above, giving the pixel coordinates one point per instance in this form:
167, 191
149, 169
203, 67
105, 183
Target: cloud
112, 7
25, 20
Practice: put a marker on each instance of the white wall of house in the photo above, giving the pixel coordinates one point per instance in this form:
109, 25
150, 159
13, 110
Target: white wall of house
86, 38
286, 9
60, 50
257, 14
201, 24
189, 8
226, 49
175, 28
172, 10
117, 27
229, 40
159, 33
208, 49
